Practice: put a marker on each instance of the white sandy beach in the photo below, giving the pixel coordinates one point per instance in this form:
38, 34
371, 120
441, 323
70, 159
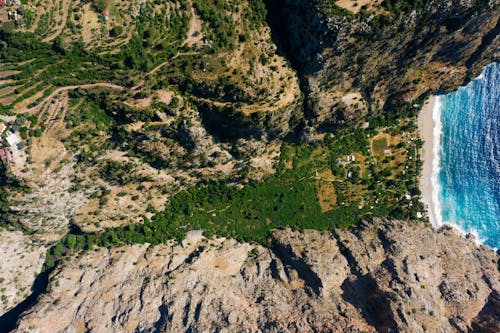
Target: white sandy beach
426, 129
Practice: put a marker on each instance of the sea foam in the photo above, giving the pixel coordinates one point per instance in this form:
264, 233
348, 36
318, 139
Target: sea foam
466, 163
435, 212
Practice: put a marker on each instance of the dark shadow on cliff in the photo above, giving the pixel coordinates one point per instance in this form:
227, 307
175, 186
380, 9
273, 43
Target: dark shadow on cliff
296, 30
8, 321
488, 319
227, 124
363, 293
304, 271
487, 40
362, 290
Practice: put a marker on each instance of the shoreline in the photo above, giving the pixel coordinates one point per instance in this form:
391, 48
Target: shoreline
426, 127
429, 129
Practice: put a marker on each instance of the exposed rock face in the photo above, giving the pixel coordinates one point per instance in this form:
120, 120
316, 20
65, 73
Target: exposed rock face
387, 57
382, 276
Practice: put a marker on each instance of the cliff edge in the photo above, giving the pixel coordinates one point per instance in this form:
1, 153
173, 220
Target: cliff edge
385, 276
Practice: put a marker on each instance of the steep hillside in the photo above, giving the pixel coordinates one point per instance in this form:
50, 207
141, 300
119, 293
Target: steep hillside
360, 58
121, 104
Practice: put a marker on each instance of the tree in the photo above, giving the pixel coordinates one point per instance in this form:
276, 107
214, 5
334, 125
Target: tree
100, 5
59, 46
7, 28
71, 242
116, 31
58, 250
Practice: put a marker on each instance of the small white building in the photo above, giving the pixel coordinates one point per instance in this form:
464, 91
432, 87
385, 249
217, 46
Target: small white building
13, 139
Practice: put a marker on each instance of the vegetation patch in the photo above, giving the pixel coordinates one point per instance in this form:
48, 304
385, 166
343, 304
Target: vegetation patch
317, 186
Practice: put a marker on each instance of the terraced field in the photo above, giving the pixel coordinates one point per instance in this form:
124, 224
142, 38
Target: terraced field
124, 77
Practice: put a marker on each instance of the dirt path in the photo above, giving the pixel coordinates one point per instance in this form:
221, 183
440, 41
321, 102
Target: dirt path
23, 104
194, 34
157, 68
113, 47
163, 64
39, 13
160, 66
7, 73
285, 99
82, 86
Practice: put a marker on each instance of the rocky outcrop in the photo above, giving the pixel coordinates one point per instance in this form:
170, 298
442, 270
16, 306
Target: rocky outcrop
228, 123
381, 276
385, 57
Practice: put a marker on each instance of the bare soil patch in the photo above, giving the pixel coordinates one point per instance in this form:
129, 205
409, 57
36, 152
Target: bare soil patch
355, 5
90, 21
194, 34
61, 20
8, 73
164, 96
327, 195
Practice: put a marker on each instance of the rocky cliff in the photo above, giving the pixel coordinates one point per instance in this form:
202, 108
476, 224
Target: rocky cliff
374, 55
385, 276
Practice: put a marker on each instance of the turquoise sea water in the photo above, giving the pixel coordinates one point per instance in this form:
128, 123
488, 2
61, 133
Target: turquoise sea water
468, 173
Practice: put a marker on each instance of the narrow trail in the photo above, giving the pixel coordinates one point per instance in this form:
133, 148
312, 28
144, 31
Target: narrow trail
160, 66
163, 64
82, 86
36, 21
194, 34
285, 99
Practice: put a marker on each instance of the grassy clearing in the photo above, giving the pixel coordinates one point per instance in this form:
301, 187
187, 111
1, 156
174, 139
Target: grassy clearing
379, 144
